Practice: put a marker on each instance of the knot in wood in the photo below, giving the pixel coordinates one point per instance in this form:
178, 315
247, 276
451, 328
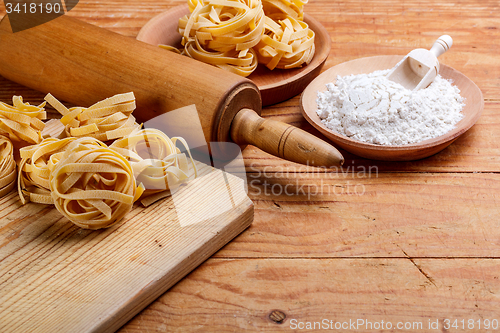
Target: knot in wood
306, 149
277, 316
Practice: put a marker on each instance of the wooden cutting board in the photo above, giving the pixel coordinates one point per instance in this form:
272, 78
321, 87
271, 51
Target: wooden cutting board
56, 277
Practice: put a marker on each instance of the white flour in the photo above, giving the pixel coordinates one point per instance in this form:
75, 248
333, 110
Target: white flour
373, 109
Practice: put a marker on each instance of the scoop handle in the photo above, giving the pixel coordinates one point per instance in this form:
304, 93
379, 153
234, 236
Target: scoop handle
441, 45
283, 140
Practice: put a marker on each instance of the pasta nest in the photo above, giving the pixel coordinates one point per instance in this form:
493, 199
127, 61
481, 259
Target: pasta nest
34, 169
223, 33
92, 185
106, 120
8, 172
158, 164
22, 121
286, 43
237, 35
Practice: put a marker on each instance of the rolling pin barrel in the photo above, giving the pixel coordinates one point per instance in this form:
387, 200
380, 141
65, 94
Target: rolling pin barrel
81, 63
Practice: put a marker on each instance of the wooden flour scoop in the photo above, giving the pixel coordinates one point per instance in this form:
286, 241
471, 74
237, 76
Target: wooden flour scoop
80, 63
420, 67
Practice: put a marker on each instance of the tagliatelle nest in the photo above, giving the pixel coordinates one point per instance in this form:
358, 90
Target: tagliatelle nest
106, 120
92, 185
287, 43
158, 165
22, 121
223, 32
7, 166
34, 169
237, 35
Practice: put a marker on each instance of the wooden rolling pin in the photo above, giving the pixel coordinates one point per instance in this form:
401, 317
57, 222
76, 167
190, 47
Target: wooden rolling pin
81, 63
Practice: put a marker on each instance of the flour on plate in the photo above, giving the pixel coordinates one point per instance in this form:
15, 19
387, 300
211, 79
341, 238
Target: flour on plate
373, 109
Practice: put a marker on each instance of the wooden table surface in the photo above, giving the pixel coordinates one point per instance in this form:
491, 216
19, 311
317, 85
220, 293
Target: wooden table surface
374, 244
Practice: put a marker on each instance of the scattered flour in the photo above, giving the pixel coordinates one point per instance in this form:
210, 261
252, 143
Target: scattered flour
373, 109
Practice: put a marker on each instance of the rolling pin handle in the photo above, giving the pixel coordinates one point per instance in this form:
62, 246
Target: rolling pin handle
283, 140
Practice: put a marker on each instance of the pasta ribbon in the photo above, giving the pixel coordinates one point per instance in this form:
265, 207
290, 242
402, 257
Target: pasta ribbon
287, 43
34, 169
92, 185
158, 164
230, 61
106, 120
294, 8
7, 166
22, 121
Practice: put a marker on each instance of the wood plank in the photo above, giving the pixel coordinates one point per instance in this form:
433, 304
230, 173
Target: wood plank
56, 277
240, 295
384, 215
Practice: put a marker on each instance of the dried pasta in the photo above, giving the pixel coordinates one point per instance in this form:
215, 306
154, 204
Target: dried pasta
287, 43
237, 35
22, 122
223, 33
106, 120
230, 61
7, 166
294, 8
34, 169
92, 185
157, 163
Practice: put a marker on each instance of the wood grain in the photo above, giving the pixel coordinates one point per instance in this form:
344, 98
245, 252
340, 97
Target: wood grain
240, 295
364, 214
56, 277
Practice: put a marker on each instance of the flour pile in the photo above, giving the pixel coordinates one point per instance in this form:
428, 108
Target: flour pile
373, 109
